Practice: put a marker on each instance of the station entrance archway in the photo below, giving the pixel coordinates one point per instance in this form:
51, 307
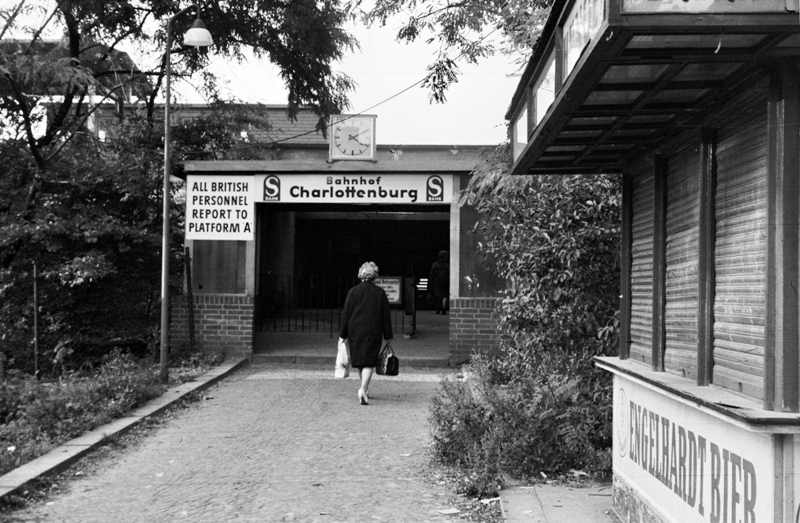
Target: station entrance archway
274, 245
308, 256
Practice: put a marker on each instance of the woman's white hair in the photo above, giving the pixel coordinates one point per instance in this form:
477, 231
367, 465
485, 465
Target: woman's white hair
368, 271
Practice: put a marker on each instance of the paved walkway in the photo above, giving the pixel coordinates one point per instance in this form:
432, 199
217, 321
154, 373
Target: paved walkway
553, 503
273, 445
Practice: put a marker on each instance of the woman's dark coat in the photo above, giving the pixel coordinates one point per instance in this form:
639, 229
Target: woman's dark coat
365, 321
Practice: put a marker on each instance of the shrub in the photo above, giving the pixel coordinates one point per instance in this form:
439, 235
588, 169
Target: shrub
536, 403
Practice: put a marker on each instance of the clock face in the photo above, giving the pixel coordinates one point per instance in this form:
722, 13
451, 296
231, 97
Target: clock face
353, 138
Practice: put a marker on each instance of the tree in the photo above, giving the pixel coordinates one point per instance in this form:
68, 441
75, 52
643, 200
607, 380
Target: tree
464, 31
303, 38
88, 211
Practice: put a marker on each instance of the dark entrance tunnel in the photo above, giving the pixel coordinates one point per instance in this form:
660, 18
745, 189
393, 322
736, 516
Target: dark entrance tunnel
309, 254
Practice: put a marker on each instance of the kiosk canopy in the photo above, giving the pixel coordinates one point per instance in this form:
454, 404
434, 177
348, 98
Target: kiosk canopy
632, 73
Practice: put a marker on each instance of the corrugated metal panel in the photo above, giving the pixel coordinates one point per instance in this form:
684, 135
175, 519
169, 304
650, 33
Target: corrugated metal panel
642, 266
682, 252
741, 249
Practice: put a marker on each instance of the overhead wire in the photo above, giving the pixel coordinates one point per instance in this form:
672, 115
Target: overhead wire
362, 111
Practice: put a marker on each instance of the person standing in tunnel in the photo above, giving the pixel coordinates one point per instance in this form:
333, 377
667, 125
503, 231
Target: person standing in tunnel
366, 322
439, 282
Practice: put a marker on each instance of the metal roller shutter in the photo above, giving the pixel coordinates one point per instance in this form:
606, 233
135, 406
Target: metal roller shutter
683, 218
741, 248
642, 266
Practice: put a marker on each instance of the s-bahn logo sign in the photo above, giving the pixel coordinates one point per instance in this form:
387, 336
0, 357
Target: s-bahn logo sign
434, 189
272, 188
372, 188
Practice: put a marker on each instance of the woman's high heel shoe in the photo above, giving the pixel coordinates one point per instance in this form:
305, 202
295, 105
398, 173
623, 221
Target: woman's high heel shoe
362, 397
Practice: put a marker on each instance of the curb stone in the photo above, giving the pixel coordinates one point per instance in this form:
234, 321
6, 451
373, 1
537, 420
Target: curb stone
68, 452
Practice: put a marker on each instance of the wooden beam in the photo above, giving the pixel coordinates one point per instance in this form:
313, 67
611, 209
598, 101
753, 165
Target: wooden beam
649, 86
611, 168
627, 110
706, 269
643, 99
629, 125
659, 261
714, 23
674, 129
783, 193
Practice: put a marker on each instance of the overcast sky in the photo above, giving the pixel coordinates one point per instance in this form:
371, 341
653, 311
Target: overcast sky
473, 114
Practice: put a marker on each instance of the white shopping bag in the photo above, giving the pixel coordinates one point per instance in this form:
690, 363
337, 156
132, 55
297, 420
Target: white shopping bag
342, 369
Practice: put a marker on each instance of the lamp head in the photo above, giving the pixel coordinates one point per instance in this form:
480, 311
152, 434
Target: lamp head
197, 35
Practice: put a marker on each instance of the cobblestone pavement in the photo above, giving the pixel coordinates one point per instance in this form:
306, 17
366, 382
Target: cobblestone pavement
272, 445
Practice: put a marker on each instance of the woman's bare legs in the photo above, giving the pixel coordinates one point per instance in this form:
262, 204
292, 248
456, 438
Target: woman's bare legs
365, 373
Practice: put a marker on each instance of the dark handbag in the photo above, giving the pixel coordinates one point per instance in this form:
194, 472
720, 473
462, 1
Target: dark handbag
388, 363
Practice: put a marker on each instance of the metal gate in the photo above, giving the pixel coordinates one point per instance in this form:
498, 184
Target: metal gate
312, 304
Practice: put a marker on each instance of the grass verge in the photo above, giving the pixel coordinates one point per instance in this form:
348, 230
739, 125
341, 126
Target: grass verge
38, 415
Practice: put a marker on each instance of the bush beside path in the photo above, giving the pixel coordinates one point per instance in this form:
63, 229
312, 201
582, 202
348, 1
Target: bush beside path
273, 445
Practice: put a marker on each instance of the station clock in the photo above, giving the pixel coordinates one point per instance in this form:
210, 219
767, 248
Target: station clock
352, 137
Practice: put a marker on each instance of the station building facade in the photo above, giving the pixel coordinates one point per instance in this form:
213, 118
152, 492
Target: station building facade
275, 243
696, 103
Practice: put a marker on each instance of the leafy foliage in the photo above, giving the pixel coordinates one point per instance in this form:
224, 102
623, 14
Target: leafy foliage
93, 230
537, 403
303, 38
464, 31
93, 227
87, 211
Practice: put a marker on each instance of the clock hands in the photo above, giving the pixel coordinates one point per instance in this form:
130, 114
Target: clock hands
354, 138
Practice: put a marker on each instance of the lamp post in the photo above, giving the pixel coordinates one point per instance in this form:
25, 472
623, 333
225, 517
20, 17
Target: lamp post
197, 36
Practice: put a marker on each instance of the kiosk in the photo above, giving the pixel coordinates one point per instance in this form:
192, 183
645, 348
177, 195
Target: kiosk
696, 103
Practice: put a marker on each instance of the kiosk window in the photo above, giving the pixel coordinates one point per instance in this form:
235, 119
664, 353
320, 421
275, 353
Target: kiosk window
219, 266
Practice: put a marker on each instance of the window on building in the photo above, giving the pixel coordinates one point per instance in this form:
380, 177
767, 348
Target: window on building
546, 89
520, 132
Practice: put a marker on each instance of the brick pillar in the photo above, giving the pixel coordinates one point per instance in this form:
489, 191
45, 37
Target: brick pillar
223, 322
473, 327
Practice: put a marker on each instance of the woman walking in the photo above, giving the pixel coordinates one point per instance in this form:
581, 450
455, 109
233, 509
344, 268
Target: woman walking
365, 323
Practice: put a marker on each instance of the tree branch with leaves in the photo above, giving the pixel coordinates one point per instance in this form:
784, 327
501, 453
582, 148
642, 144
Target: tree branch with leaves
464, 31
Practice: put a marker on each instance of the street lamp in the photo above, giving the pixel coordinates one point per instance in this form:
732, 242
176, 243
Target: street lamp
197, 36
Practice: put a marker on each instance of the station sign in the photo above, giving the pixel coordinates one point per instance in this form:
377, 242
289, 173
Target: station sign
708, 6
690, 464
220, 207
417, 189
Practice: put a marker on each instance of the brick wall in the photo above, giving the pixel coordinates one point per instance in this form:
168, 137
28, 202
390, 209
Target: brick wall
473, 327
222, 322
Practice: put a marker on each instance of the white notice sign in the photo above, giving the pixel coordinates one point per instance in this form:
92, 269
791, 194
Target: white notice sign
219, 207
391, 286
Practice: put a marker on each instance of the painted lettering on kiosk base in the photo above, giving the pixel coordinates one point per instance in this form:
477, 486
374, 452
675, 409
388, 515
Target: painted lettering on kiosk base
690, 463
